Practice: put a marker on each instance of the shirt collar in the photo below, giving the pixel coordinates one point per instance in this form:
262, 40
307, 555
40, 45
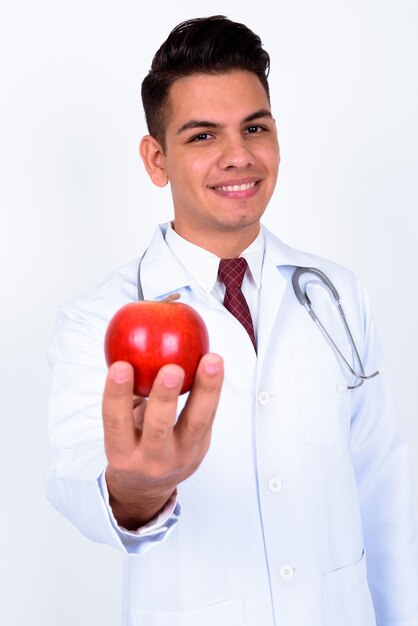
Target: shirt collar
203, 265
161, 272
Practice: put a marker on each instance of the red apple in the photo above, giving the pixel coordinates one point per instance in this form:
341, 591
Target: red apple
150, 334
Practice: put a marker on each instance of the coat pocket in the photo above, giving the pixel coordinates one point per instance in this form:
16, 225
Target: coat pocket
347, 596
228, 613
324, 410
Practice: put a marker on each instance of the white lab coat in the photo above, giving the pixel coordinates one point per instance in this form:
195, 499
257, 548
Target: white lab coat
301, 513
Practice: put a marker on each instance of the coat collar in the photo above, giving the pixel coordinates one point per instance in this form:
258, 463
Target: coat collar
162, 273
280, 254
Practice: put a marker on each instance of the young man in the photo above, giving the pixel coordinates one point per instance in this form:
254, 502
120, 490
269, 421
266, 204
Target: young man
280, 495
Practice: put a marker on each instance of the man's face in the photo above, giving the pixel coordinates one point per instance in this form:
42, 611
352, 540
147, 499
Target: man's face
221, 157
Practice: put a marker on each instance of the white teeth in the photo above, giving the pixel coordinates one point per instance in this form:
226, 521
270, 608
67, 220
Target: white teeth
236, 187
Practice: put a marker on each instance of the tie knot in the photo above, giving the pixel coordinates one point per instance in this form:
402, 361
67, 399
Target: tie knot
232, 271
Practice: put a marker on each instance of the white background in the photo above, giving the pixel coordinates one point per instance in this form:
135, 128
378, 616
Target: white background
75, 204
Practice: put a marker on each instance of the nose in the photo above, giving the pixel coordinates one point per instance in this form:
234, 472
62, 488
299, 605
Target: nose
235, 154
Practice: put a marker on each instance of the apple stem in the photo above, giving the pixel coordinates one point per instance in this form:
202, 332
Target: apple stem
172, 297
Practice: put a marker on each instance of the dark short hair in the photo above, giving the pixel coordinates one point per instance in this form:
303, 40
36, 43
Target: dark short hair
205, 45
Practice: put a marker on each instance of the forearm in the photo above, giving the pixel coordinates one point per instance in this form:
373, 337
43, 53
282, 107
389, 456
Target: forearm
134, 505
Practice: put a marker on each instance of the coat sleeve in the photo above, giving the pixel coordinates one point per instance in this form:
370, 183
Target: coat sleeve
380, 454
76, 458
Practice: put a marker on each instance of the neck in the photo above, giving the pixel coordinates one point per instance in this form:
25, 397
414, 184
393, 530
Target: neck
225, 245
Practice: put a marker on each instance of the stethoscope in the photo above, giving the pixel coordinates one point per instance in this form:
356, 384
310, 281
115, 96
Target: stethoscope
305, 302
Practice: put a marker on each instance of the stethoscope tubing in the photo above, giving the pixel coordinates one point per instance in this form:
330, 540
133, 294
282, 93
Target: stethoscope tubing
306, 303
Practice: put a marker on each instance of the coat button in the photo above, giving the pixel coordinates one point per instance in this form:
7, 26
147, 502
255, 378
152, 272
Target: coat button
263, 398
287, 571
275, 484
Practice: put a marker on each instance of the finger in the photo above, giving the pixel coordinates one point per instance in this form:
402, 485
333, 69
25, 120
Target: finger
199, 412
119, 428
139, 406
161, 410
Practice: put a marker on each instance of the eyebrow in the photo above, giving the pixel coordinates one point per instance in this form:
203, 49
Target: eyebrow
208, 124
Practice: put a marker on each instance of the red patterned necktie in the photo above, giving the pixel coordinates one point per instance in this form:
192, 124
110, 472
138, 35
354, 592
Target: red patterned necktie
231, 273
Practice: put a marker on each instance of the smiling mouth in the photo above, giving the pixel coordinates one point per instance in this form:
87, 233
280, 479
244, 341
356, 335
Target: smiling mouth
230, 188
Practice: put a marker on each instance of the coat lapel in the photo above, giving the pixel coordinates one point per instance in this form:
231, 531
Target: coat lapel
162, 274
278, 266
273, 286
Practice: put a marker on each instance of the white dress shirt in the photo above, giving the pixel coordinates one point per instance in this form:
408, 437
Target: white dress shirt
203, 266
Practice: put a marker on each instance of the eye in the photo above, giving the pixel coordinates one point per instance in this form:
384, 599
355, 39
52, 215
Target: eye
255, 129
201, 137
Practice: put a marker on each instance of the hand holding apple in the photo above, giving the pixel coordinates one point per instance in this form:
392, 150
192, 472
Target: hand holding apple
149, 451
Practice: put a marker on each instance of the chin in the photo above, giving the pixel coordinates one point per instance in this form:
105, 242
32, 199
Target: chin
238, 222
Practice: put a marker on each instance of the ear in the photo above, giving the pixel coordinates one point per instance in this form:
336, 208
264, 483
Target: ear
153, 157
